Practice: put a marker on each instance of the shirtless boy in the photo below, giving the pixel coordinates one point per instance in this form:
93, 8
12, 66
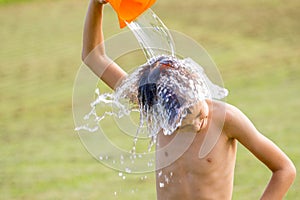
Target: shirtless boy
210, 177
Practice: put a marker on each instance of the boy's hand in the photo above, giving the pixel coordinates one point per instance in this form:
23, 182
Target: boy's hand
101, 1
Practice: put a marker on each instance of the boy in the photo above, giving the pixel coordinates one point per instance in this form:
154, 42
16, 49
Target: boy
191, 176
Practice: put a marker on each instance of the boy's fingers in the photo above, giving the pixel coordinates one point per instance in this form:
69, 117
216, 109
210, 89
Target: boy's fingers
102, 1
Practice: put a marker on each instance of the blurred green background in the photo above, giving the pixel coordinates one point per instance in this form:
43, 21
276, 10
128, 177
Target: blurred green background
256, 45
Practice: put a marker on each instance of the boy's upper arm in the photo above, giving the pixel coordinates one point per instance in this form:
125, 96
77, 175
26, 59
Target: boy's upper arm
238, 126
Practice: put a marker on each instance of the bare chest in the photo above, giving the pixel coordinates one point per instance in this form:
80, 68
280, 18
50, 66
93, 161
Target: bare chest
191, 176
198, 155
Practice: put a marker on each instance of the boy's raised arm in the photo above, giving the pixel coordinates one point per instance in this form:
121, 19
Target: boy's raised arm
238, 126
93, 50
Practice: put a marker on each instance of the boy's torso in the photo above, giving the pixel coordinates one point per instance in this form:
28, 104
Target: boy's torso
187, 175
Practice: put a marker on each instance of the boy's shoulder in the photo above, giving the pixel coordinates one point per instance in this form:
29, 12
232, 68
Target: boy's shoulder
233, 121
224, 114
223, 111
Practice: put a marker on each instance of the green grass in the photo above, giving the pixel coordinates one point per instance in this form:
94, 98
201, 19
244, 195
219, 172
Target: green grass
13, 1
254, 43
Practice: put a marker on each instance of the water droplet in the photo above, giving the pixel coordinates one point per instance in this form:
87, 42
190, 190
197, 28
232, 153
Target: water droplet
127, 170
150, 164
144, 178
167, 179
97, 91
160, 173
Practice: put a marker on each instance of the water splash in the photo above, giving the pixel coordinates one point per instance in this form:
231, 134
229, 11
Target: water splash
185, 77
164, 179
155, 40
152, 35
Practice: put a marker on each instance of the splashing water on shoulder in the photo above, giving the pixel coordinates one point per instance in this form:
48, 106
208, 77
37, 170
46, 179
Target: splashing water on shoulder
172, 85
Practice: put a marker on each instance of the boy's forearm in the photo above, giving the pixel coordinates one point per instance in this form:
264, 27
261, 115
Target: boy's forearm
92, 33
279, 184
93, 51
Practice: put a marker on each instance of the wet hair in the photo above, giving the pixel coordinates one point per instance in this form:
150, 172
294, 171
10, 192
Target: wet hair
164, 89
151, 91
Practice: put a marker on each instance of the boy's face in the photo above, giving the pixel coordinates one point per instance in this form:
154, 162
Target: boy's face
197, 116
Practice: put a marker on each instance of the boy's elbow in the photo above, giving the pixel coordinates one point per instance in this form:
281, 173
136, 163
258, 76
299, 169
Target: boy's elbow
85, 53
292, 171
83, 56
90, 55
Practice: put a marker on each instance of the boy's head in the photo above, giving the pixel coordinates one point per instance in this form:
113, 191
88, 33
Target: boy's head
166, 90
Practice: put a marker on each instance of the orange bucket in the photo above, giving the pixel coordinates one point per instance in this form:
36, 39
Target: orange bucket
129, 10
